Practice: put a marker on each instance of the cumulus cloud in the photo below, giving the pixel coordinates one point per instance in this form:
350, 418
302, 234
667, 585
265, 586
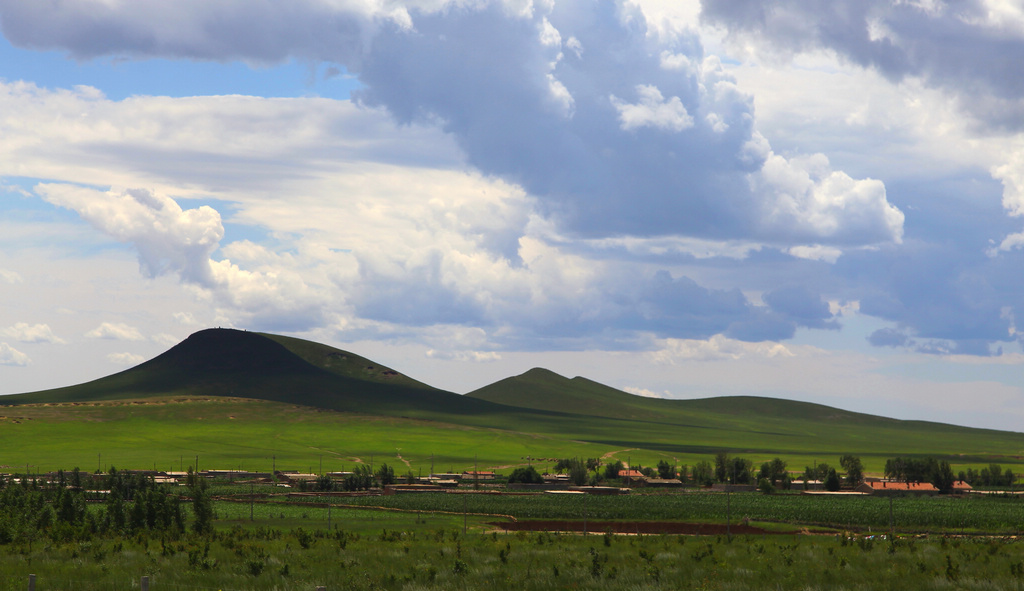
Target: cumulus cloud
35, 333
649, 150
11, 356
615, 130
653, 110
970, 49
716, 348
168, 238
115, 331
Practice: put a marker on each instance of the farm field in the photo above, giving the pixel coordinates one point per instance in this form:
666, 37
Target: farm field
270, 559
990, 515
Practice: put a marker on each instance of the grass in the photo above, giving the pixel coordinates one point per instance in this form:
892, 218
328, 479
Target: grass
270, 559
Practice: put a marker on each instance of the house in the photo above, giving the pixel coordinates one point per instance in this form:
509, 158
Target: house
478, 475
888, 487
632, 476
960, 487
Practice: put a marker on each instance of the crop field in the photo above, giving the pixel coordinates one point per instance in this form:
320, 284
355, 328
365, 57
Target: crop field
290, 515
859, 513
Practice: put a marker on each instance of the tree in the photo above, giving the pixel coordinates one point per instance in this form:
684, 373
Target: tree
832, 482
202, 507
578, 472
386, 475
611, 471
773, 471
525, 475
666, 470
854, 469
943, 478
702, 474
593, 465
722, 467
742, 471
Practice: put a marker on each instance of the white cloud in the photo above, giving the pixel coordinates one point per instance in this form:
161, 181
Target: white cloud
11, 356
469, 356
167, 238
1012, 176
804, 196
816, 252
652, 110
185, 319
36, 333
10, 277
644, 392
167, 340
127, 359
717, 348
115, 331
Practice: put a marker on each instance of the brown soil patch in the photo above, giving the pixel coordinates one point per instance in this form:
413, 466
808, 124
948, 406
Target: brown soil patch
634, 527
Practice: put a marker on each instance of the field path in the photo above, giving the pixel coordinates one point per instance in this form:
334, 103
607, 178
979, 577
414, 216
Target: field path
611, 455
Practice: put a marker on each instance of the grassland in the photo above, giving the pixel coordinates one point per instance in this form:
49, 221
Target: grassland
168, 434
252, 401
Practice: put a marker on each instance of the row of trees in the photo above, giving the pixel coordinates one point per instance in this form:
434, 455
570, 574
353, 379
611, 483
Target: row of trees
31, 509
724, 469
940, 473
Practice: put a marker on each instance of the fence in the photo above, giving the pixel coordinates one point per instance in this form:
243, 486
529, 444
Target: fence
143, 584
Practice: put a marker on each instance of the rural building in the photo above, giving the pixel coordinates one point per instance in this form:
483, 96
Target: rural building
807, 485
600, 490
886, 487
961, 488
660, 482
478, 475
394, 489
726, 487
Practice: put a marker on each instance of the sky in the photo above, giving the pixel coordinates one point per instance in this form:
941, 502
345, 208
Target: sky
805, 199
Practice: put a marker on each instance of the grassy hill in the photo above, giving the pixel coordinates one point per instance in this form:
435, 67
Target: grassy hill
239, 398
241, 364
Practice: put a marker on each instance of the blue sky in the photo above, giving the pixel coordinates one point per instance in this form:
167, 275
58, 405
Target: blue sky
680, 199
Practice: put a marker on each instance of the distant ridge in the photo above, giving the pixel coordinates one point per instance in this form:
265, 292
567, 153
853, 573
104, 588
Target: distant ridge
541, 389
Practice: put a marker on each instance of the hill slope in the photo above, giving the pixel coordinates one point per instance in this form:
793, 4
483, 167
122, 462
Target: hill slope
227, 362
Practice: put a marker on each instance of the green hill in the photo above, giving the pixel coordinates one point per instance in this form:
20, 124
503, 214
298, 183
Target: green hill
355, 407
241, 364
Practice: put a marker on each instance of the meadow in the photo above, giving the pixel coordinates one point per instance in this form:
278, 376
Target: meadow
168, 433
